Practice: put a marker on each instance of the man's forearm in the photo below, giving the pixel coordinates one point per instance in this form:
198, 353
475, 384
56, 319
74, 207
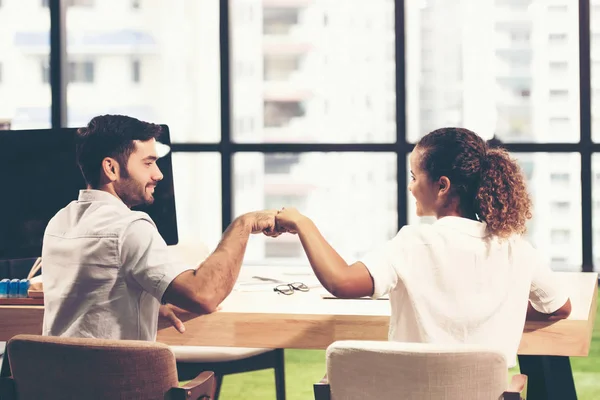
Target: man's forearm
203, 289
218, 273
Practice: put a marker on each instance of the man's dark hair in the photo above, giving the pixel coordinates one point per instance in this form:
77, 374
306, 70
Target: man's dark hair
110, 136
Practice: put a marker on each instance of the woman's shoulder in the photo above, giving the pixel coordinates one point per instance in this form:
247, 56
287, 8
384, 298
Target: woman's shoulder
421, 233
522, 243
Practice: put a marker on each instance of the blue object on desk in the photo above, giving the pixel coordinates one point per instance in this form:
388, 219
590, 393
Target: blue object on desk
4, 288
13, 289
23, 287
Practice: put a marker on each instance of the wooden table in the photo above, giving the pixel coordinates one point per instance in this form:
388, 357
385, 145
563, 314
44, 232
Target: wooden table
305, 320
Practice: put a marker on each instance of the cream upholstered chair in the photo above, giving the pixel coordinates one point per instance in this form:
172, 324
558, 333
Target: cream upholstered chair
53, 368
191, 360
392, 370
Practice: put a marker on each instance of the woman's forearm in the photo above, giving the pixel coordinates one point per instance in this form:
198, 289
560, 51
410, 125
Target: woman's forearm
328, 265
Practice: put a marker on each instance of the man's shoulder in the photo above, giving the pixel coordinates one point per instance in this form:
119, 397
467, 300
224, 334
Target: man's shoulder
96, 218
62, 215
138, 224
135, 223
140, 216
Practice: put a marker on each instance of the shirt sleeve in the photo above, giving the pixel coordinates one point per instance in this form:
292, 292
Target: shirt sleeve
147, 259
381, 264
546, 293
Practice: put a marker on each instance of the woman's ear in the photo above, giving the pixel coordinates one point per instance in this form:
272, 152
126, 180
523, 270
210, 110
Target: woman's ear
444, 185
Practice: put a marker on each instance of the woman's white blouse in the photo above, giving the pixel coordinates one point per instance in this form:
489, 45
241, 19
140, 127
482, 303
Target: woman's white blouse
451, 282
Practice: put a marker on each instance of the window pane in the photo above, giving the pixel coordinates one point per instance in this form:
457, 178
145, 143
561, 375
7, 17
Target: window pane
313, 71
595, 67
503, 68
554, 182
158, 63
351, 198
24, 52
596, 208
197, 181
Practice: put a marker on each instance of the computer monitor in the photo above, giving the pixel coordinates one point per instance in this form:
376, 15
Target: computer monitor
39, 176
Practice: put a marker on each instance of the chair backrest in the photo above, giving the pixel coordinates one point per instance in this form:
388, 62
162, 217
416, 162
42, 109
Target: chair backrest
67, 368
393, 370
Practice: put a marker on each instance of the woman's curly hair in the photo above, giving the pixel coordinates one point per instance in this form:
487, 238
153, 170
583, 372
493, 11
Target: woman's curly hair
488, 182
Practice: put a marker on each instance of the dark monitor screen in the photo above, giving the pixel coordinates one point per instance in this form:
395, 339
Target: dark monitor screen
39, 176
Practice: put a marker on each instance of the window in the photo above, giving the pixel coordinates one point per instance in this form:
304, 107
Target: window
560, 207
596, 206
559, 126
81, 72
514, 4
559, 66
300, 122
80, 3
559, 178
25, 98
560, 236
136, 71
279, 21
283, 249
45, 65
279, 67
281, 164
558, 8
173, 65
198, 199
559, 94
557, 38
78, 71
300, 65
327, 186
512, 107
72, 3
281, 113
559, 263
244, 125
595, 71
520, 37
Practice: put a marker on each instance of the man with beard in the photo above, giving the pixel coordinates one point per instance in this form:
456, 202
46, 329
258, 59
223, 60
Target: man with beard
106, 268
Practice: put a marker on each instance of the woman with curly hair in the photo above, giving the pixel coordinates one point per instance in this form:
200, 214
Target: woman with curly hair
470, 277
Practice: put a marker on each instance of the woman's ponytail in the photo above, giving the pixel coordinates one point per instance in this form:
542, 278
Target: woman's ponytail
502, 200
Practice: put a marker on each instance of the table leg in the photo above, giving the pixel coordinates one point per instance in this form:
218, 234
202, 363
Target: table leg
548, 377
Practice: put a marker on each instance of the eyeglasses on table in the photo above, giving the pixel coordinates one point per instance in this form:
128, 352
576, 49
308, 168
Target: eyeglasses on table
290, 288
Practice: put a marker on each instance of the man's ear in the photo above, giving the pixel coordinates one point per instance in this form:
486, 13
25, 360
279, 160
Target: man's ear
444, 185
110, 168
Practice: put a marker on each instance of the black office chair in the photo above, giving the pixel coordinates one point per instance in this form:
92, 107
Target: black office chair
191, 360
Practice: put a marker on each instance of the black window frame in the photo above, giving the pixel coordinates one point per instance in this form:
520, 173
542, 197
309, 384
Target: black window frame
227, 148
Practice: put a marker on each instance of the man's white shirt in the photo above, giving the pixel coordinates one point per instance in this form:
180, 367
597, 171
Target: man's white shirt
105, 270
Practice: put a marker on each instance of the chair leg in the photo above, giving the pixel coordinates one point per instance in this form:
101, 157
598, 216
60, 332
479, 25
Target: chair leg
279, 374
219, 382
